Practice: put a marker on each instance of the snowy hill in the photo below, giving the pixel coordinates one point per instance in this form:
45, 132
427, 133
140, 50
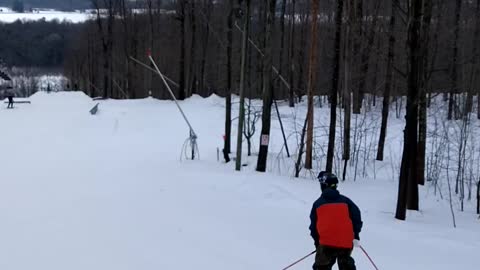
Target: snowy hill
9, 16
109, 192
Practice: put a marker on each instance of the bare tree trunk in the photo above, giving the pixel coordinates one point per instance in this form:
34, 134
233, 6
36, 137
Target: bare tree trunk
228, 99
350, 10
476, 57
422, 127
312, 70
282, 39
91, 78
365, 61
455, 86
181, 18
388, 84
291, 56
357, 27
192, 73
241, 116
150, 76
208, 11
478, 105
478, 197
298, 166
134, 51
335, 84
348, 108
408, 184
267, 88
301, 57
422, 137
107, 41
126, 14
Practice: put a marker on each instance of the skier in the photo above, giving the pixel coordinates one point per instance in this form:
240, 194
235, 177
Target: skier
335, 226
10, 99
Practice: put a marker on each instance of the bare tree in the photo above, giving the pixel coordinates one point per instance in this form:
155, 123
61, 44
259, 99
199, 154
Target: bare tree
281, 52
365, 59
408, 184
192, 73
208, 6
358, 34
228, 94
476, 56
267, 87
304, 18
422, 125
455, 81
291, 54
105, 29
473, 67
350, 10
478, 198
181, 16
312, 69
388, 82
241, 116
335, 85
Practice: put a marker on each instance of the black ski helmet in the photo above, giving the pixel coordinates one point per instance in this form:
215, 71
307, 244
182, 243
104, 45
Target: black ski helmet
327, 180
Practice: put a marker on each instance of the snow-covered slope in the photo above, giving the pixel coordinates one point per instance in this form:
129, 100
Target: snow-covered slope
109, 192
8, 16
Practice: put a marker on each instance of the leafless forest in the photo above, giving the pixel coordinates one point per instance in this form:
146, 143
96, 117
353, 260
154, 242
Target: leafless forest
347, 54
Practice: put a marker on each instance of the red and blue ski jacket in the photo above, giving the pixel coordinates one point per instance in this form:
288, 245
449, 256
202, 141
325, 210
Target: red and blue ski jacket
335, 220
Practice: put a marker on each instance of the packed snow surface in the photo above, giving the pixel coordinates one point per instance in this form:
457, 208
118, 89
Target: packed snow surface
110, 192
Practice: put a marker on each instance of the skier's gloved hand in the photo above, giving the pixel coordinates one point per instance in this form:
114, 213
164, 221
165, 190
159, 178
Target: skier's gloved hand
356, 243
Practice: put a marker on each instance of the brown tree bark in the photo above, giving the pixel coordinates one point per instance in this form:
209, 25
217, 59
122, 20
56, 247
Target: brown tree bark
312, 70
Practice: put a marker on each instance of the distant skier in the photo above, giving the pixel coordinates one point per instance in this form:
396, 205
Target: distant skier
10, 100
335, 226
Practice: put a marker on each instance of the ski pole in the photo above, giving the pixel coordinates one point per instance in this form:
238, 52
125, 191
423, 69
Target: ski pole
368, 256
310, 254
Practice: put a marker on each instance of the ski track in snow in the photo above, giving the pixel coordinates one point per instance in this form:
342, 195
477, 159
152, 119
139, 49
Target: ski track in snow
109, 192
